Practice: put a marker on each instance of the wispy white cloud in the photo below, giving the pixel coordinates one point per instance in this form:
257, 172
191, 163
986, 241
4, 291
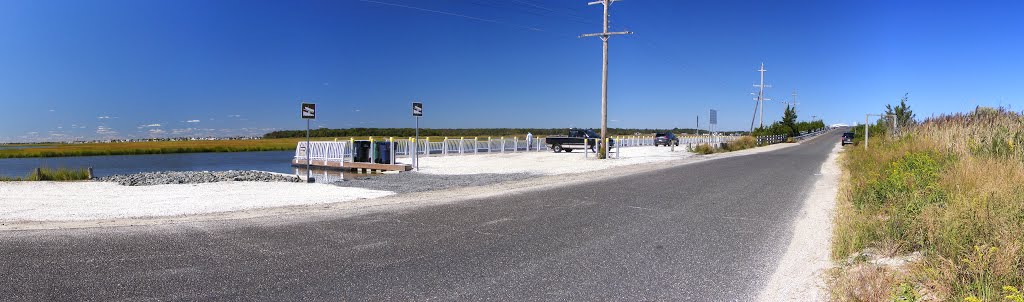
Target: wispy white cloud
192, 121
234, 115
149, 126
156, 131
52, 110
104, 130
103, 117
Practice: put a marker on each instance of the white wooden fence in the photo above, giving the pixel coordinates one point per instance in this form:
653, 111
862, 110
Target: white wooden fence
343, 151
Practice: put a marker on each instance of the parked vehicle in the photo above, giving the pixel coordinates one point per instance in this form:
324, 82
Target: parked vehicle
577, 139
665, 139
847, 138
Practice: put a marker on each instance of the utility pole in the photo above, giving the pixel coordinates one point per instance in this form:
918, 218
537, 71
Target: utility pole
602, 153
760, 95
698, 124
794, 100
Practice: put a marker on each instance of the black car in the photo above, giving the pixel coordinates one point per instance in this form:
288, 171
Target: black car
665, 139
847, 138
577, 139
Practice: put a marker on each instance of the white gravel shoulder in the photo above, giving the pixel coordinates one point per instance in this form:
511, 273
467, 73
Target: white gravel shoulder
800, 275
545, 162
69, 201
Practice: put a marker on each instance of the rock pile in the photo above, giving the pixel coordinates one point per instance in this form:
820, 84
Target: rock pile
193, 177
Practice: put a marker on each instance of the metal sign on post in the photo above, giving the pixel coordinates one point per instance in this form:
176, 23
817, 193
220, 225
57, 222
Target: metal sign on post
417, 111
308, 113
713, 122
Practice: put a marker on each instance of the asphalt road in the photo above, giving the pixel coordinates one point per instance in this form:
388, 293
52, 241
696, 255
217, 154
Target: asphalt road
708, 231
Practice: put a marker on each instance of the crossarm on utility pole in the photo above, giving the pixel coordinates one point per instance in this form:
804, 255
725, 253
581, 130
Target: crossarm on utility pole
606, 34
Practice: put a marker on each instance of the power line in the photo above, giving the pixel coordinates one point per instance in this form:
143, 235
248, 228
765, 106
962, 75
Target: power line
531, 28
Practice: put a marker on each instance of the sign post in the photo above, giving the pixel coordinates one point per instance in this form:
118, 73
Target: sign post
308, 113
711, 126
417, 111
714, 119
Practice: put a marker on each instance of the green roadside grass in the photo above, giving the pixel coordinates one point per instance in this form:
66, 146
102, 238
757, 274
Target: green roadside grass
48, 174
947, 194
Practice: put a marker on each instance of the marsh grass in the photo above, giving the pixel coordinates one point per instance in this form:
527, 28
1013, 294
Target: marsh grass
951, 188
48, 174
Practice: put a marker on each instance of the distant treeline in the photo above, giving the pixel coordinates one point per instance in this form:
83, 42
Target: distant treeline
409, 132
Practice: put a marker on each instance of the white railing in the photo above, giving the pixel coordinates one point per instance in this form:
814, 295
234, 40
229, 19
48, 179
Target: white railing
343, 151
325, 151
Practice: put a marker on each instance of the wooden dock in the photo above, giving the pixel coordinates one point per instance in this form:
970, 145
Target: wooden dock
350, 166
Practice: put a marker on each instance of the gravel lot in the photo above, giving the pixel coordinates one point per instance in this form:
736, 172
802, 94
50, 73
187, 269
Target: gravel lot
409, 182
545, 162
22, 201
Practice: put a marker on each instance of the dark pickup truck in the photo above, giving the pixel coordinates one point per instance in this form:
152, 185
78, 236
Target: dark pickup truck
577, 139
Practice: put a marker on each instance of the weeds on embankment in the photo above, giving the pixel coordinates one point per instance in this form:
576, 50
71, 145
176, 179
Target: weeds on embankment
949, 191
745, 142
48, 174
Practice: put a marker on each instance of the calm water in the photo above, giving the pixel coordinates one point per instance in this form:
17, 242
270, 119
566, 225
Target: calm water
272, 161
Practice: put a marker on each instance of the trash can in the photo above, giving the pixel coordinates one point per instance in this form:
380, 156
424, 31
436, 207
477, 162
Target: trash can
361, 151
382, 154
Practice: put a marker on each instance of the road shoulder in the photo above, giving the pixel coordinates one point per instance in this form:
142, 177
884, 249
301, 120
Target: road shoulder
799, 275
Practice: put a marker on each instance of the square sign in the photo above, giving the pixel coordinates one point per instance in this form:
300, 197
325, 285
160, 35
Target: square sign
714, 117
417, 109
309, 111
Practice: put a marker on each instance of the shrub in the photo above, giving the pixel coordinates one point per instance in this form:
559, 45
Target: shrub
745, 142
948, 188
704, 149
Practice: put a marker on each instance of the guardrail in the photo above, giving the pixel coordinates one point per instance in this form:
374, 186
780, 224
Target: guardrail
775, 139
771, 139
811, 134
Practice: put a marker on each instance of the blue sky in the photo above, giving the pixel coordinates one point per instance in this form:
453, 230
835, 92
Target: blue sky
127, 69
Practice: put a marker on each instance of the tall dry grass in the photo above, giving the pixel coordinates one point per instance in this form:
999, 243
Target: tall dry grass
951, 188
50, 174
745, 142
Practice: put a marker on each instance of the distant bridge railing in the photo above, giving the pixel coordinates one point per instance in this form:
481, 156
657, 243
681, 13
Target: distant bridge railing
775, 139
811, 134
